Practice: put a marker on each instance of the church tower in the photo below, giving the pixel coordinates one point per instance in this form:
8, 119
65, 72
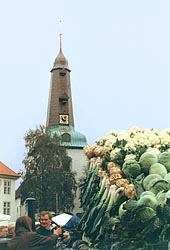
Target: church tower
60, 116
60, 108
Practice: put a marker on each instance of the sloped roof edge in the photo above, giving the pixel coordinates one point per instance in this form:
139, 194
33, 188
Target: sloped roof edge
6, 171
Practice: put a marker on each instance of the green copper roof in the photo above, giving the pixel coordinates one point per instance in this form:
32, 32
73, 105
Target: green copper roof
69, 136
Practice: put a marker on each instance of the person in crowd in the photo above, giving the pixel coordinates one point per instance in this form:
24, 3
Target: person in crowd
11, 230
37, 225
3, 231
70, 231
26, 239
45, 227
71, 224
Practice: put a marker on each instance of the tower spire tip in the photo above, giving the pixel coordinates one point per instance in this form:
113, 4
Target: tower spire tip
60, 23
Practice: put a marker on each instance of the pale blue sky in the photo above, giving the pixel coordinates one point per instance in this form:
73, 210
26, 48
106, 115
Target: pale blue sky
118, 53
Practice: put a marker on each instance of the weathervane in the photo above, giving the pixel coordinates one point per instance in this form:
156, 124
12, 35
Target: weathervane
60, 34
60, 26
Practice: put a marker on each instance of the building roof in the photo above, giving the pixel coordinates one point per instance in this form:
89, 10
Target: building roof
4, 170
77, 140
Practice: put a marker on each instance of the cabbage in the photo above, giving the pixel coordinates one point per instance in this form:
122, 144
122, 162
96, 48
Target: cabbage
168, 194
143, 214
162, 197
149, 179
148, 201
147, 193
131, 168
164, 158
160, 185
146, 160
158, 168
167, 177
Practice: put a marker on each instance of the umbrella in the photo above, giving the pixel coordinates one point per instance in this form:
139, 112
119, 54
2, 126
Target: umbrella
61, 219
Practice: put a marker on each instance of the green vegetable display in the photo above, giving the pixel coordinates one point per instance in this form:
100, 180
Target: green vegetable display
158, 168
149, 181
131, 168
148, 201
167, 177
159, 186
125, 194
164, 158
146, 160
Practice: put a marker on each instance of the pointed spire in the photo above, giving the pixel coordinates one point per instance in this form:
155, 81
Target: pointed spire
60, 41
60, 35
60, 61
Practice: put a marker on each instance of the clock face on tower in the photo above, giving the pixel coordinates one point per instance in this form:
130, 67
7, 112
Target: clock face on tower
63, 119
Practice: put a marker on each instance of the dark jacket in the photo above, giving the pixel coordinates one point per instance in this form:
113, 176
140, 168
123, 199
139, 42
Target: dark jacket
71, 224
43, 231
25, 240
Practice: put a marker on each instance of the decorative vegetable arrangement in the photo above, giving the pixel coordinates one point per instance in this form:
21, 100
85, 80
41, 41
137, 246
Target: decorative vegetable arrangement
125, 193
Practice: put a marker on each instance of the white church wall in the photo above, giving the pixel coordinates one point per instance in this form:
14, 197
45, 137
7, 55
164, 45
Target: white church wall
78, 161
78, 165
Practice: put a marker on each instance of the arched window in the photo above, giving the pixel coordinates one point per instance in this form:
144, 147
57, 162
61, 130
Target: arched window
66, 137
67, 163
